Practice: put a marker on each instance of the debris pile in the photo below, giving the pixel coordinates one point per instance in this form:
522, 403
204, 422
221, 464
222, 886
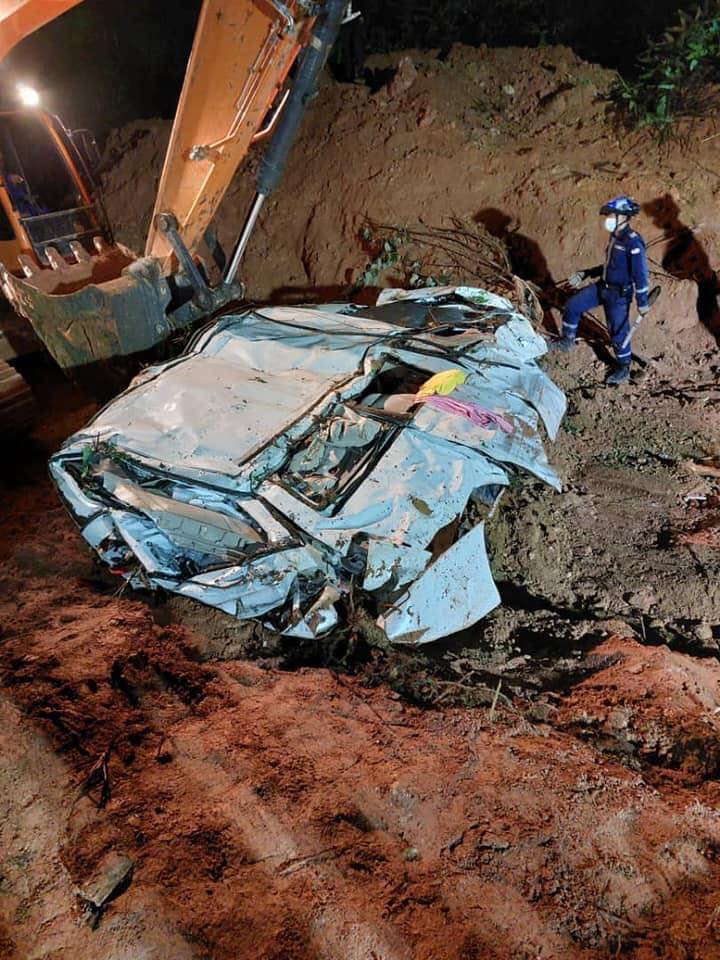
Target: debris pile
294, 453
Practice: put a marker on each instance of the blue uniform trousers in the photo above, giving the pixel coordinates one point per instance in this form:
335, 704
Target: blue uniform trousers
617, 314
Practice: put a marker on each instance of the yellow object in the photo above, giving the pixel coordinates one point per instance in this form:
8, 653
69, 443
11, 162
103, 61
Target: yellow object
442, 383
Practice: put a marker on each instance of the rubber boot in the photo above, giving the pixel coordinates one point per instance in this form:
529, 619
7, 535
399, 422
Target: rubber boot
620, 375
564, 345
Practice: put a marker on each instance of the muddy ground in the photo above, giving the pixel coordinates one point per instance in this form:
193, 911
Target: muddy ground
545, 785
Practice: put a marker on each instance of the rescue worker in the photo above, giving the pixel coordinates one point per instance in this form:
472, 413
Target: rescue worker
624, 273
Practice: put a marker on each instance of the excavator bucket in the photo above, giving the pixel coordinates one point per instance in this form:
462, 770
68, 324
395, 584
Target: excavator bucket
59, 267
97, 330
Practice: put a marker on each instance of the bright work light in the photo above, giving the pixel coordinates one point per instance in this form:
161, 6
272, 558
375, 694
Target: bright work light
29, 97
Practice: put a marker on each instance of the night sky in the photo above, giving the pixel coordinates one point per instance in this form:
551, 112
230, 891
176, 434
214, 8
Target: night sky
110, 61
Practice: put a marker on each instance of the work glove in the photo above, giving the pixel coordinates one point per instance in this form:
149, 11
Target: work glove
577, 279
643, 311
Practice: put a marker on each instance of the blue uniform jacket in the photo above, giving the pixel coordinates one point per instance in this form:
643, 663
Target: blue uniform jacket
626, 266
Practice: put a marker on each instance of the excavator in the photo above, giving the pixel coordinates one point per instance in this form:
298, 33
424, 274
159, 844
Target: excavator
97, 307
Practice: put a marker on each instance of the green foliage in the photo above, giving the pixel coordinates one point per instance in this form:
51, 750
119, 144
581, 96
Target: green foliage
96, 451
676, 74
573, 426
387, 251
387, 255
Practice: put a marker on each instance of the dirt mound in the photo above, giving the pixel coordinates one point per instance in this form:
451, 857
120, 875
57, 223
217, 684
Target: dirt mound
130, 172
519, 141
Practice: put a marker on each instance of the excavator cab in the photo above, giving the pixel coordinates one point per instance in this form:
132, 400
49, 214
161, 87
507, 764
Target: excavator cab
52, 229
56, 245
48, 209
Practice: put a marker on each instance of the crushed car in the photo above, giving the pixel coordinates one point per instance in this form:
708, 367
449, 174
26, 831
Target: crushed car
295, 458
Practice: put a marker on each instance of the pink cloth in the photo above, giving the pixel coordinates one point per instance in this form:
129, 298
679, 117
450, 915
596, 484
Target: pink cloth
480, 416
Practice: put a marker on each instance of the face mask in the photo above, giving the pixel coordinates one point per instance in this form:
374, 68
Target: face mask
611, 224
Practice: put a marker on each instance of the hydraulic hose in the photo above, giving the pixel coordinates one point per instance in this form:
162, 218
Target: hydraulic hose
312, 61
272, 165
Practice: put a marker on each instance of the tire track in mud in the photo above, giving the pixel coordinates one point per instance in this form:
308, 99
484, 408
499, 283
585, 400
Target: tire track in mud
297, 867
175, 800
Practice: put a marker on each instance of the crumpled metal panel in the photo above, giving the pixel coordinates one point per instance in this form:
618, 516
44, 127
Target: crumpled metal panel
459, 584
283, 461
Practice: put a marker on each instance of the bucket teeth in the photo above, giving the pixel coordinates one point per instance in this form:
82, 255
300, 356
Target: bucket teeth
54, 258
79, 252
27, 264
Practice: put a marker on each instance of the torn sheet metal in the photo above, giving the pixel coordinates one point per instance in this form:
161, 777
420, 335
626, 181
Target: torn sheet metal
295, 454
459, 583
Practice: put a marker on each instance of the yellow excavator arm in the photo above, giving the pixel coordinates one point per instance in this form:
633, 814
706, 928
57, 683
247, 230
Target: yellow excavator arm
232, 96
229, 88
